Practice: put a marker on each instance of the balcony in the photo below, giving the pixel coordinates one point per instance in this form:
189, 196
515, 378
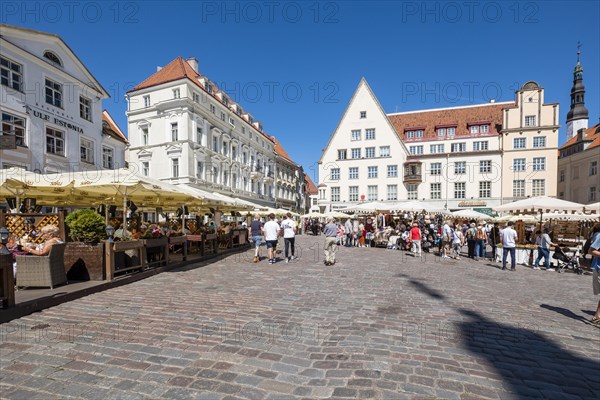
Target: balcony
257, 172
412, 172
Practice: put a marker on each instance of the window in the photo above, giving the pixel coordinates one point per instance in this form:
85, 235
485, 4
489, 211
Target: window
384, 151
353, 173
416, 150
592, 194
341, 154
234, 152
519, 143
55, 141
460, 167
14, 126
355, 135
335, 174
459, 190
538, 187
539, 163
234, 181
436, 191
199, 169
451, 131
474, 129
199, 133
175, 168
222, 116
353, 193
231, 121
414, 134
108, 158
146, 101
335, 194
518, 165
392, 171
372, 193
485, 189
215, 177
215, 146
436, 148
11, 74
145, 168
372, 172
484, 128
53, 58
85, 108
174, 132
196, 97
176, 93
561, 176
53, 93
519, 188
593, 168
436, 168
370, 152
539, 141
213, 109
86, 150
485, 166
363, 114
144, 136
356, 153
441, 132
411, 190
392, 192
480, 146
530, 120
370, 134
458, 147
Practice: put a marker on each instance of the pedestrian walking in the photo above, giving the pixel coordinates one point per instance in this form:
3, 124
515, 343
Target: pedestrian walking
494, 238
256, 233
509, 243
330, 247
480, 242
446, 239
543, 243
272, 230
458, 240
290, 229
348, 228
471, 232
595, 252
415, 237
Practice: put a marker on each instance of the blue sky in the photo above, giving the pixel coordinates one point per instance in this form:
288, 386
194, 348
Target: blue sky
295, 65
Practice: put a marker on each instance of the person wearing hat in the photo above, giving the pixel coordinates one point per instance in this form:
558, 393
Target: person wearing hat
415, 238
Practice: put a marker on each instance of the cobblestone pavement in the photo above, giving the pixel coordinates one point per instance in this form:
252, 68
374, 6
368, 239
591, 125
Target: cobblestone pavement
378, 324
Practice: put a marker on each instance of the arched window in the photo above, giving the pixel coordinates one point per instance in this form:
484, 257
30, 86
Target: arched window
52, 57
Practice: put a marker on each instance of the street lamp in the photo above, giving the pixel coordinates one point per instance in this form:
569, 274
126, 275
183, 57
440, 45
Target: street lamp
4, 234
110, 232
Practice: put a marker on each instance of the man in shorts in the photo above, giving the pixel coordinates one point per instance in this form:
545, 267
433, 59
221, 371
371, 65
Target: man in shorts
446, 239
271, 229
256, 232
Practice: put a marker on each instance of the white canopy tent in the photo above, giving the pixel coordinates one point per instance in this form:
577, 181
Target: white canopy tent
471, 214
540, 204
368, 207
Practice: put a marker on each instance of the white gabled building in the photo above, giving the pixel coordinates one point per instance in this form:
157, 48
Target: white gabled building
476, 156
364, 157
183, 129
51, 107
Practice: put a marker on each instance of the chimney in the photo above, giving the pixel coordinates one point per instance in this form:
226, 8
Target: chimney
492, 100
193, 63
580, 134
158, 69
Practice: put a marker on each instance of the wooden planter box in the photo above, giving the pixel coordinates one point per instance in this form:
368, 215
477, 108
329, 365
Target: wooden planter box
157, 251
178, 240
129, 246
84, 262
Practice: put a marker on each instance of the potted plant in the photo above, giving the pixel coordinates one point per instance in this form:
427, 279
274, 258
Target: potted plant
84, 255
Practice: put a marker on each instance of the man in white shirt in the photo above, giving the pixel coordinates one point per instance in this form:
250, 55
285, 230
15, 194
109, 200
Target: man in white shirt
509, 243
289, 228
271, 230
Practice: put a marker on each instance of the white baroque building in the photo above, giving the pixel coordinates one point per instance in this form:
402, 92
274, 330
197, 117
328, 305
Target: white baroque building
476, 156
185, 130
52, 117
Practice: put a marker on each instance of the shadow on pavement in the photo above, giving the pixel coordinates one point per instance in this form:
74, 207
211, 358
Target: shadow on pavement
531, 364
566, 313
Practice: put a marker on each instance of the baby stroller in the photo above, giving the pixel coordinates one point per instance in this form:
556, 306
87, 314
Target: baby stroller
565, 262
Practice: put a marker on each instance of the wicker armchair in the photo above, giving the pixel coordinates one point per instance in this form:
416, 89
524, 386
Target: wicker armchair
42, 271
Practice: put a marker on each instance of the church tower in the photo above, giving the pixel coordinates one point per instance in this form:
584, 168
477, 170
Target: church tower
577, 117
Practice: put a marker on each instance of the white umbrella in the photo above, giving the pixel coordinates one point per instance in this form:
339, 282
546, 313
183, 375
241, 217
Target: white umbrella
417, 206
571, 217
313, 215
540, 204
336, 214
595, 207
471, 214
528, 219
371, 206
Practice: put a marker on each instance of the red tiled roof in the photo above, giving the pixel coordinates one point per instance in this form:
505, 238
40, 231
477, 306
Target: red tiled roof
459, 117
310, 186
113, 129
280, 150
592, 133
180, 69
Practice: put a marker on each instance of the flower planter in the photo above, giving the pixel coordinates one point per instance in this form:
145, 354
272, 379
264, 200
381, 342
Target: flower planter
84, 262
156, 251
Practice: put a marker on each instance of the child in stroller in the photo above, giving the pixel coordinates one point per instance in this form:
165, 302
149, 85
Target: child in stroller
565, 262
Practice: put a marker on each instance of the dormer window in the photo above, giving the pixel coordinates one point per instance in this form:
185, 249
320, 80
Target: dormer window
50, 56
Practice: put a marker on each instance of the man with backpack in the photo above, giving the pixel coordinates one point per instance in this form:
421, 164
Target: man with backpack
471, 232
